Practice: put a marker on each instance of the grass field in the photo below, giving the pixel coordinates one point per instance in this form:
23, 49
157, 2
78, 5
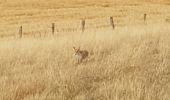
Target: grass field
131, 62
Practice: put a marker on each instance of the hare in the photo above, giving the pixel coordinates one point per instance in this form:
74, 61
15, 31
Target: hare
80, 55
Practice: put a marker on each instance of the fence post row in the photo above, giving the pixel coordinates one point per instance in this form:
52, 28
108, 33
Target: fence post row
83, 25
112, 22
83, 22
53, 28
20, 32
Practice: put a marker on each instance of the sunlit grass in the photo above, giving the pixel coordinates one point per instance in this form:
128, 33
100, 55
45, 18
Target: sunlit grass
129, 63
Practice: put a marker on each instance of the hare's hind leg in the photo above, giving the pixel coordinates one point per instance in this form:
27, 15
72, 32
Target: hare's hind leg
79, 61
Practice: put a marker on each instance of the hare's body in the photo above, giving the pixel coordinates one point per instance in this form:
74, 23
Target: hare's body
80, 55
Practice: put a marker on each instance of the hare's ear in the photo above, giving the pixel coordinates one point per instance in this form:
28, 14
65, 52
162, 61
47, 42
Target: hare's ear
74, 48
78, 49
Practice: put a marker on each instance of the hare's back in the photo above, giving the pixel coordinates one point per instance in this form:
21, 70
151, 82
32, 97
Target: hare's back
85, 53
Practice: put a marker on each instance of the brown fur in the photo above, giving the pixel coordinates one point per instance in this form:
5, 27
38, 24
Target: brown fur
80, 55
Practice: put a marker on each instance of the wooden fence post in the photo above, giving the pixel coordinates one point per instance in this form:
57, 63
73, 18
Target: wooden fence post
20, 32
145, 15
83, 25
112, 22
53, 28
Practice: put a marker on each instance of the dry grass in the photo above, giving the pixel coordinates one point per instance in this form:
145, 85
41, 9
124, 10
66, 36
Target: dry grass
131, 63
36, 16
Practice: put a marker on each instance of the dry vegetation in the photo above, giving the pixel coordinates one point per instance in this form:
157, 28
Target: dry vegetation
131, 62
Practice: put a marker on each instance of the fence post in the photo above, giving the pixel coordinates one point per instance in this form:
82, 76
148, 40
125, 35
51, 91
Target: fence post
83, 25
20, 32
145, 17
53, 28
112, 22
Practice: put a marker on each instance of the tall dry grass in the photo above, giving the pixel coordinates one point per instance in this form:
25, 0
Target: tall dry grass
131, 63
